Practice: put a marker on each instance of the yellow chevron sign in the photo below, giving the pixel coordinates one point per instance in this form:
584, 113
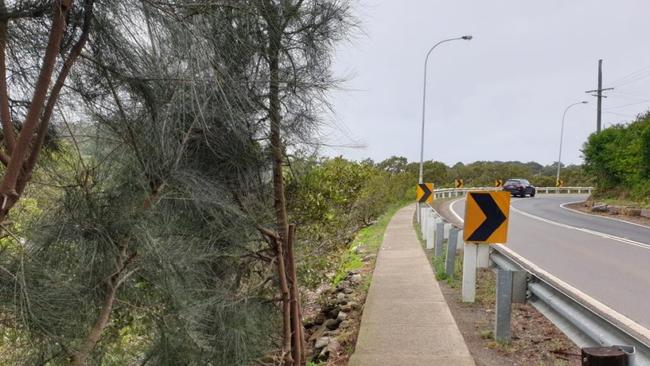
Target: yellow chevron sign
458, 183
559, 183
424, 193
498, 183
486, 217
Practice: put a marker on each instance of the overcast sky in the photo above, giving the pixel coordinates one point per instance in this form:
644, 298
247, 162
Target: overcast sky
497, 97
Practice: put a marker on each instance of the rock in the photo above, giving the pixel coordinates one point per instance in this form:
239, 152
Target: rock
319, 319
355, 279
322, 342
318, 333
333, 347
645, 212
331, 324
343, 285
345, 324
341, 316
632, 211
346, 308
347, 290
340, 296
333, 333
354, 305
323, 355
333, 313
353, 272
614, 210
599, 208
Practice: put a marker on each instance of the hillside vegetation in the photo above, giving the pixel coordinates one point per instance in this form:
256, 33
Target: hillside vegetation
619, 157
484, 173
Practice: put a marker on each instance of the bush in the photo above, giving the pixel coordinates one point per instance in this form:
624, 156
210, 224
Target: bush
619, 157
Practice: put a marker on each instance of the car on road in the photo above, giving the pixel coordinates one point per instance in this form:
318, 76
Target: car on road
519, 187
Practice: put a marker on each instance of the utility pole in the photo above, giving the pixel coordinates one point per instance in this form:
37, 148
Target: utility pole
599, 95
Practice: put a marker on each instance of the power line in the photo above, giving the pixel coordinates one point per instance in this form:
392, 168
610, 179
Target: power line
630, 75
629, 104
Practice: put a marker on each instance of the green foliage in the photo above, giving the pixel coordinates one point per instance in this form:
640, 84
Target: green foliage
619, 157
330, 200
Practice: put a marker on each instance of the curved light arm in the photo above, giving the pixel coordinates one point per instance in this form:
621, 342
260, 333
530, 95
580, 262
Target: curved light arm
559, 158
424, 98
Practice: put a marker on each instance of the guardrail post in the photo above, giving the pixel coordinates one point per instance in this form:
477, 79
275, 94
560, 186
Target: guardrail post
503, 305
446, 230
439, 237
468, 287
423, 221
450, 261
519, 287
483, 256
431, 224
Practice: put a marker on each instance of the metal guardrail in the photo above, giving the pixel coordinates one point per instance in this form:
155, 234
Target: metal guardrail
585, 320
457, 192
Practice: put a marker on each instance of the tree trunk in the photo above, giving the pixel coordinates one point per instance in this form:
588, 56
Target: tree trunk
279, 200
80, 357
286, 304
297, 331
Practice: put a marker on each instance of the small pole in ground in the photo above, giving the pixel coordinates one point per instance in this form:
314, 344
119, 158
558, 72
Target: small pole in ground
440, 228
468, 287
450, 262
604, 356
503, 305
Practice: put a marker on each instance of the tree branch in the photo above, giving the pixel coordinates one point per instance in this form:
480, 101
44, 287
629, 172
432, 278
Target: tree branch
5, 114
8, 185
54, 94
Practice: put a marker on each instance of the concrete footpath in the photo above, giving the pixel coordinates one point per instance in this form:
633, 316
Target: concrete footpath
406, 321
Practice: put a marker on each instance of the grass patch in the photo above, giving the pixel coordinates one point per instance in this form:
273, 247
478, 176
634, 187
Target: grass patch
620, 202
367, 241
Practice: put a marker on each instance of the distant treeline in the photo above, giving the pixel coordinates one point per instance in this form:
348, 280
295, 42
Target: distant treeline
619, 157
484, 173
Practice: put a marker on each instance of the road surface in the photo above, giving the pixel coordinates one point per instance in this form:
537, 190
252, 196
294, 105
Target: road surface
607, 259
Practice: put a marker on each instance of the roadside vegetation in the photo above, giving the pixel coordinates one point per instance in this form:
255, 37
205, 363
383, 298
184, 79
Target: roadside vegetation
619, 157
484, 173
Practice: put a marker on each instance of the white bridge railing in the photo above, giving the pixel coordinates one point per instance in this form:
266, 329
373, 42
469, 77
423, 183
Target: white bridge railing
457, 192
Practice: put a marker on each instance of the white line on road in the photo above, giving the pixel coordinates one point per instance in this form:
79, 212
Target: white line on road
603, 217
451, 208
588, 231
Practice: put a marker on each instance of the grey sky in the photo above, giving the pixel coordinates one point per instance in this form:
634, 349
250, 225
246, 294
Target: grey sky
497, 97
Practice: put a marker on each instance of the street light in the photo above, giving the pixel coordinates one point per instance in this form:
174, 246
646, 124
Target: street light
559, 159
424, 98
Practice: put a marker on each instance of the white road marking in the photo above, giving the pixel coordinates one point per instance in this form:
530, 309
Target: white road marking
588, 231
604, 217
451, 208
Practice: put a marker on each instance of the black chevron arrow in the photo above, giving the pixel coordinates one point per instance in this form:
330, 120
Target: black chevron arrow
494, 217
426, 191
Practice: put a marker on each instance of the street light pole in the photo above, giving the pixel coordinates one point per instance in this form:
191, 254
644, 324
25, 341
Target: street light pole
424, 98
559, 158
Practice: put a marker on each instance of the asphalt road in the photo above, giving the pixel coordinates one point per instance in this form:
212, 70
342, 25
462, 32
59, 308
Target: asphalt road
607, 259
